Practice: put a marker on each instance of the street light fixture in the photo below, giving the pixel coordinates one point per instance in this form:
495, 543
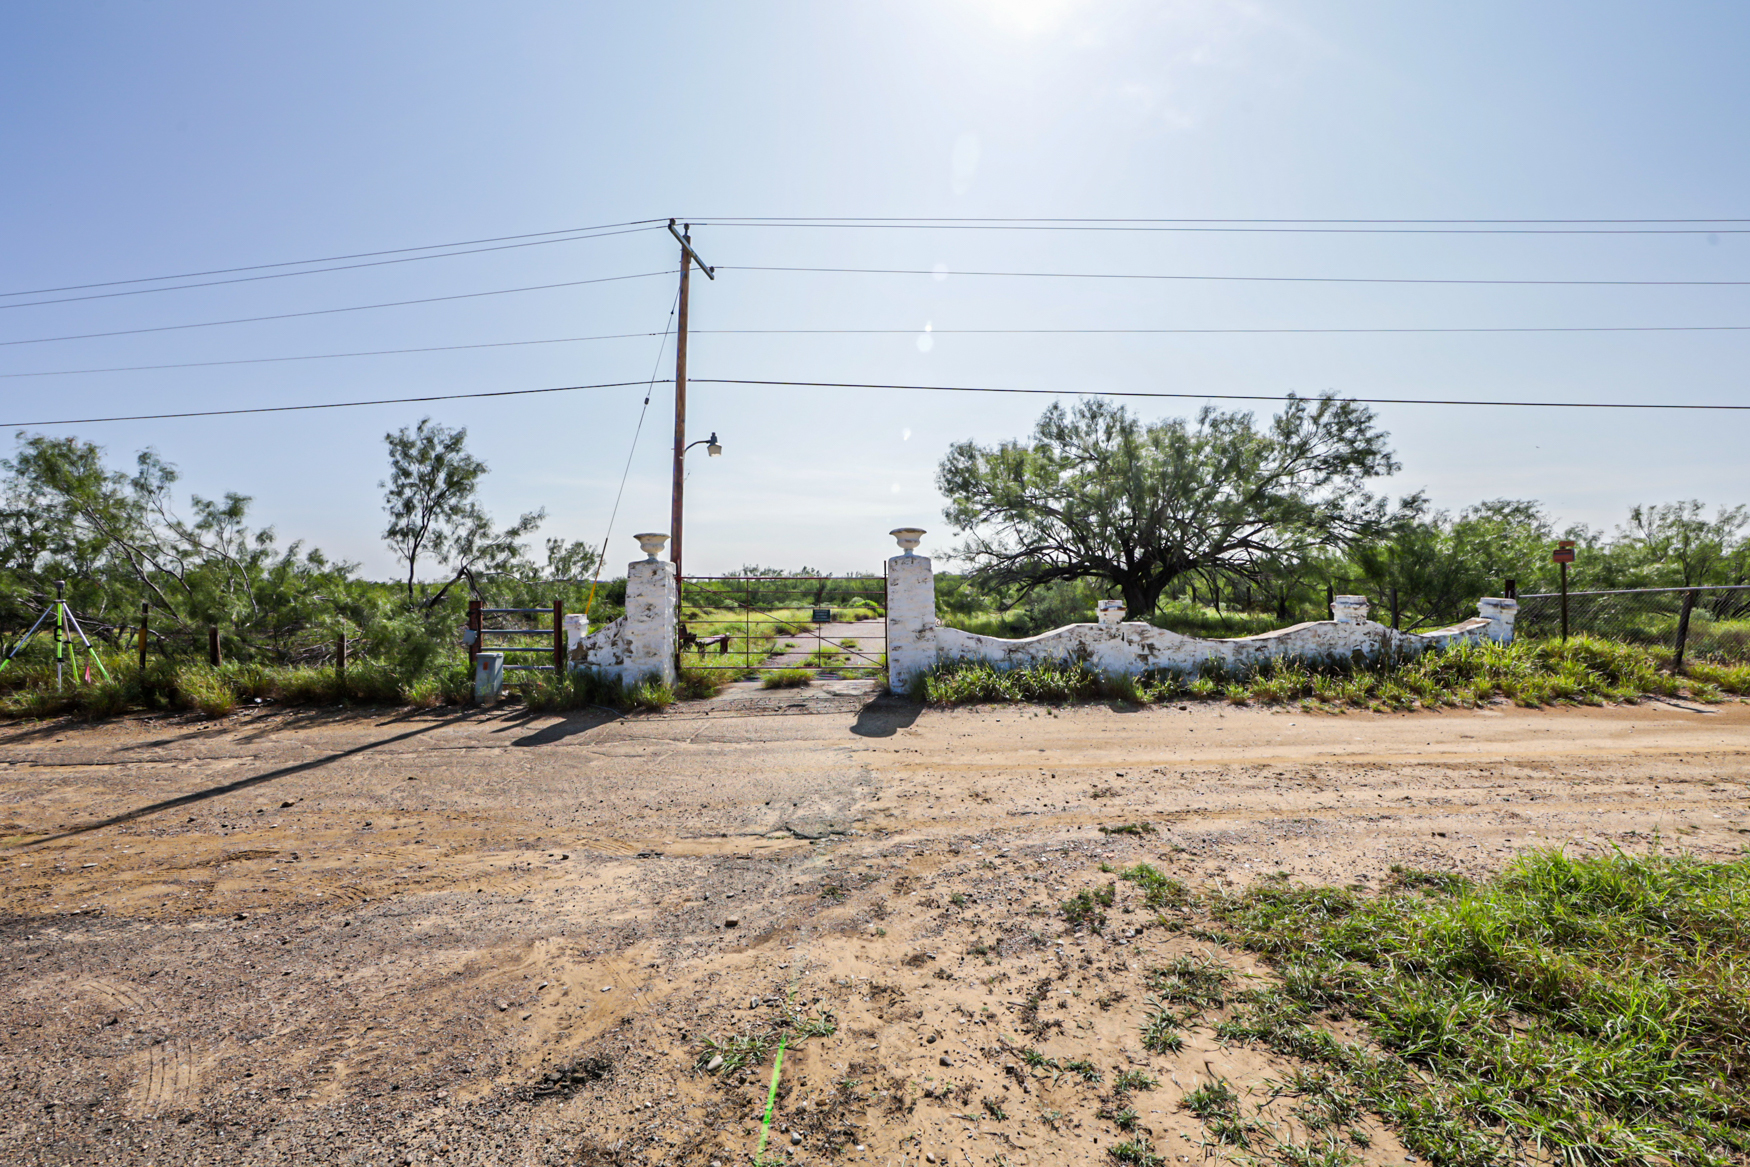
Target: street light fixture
710, 444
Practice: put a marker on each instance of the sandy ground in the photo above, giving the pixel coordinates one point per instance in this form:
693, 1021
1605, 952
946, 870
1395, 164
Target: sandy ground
337, 937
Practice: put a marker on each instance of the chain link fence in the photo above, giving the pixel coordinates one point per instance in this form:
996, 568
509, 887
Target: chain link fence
1711, 624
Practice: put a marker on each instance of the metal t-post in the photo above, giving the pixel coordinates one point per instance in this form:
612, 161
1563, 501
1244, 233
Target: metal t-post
1682, 630
60, 627
1564, 603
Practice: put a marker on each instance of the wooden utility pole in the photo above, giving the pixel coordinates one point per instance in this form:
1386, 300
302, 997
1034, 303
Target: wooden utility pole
688, 255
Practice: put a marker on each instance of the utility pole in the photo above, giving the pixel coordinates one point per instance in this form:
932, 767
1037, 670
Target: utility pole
685, 238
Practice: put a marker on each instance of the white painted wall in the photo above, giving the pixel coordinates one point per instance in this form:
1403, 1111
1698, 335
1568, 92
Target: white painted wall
642, 643
916, 642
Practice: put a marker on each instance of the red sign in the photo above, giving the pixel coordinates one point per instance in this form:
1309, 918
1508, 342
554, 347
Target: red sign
1564, 552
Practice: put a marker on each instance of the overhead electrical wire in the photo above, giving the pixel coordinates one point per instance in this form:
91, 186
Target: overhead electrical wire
1212, 396
872, 385
445, 348
280, 275
330, 311
1261, 226
222, 271
325, 405
1071, 275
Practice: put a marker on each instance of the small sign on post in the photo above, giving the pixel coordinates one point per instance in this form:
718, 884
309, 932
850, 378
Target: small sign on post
823, 615
1564, 555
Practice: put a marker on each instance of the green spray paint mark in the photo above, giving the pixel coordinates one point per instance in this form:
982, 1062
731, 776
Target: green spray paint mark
759, 1154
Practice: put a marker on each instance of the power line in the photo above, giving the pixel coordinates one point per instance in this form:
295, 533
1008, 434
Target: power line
445, 348
868, 385
1267, 226
1214, 396
223, 271
280, 275
1066, 275
331, 311
380, 352
321, 405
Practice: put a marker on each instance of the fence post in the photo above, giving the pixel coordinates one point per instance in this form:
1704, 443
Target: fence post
1394, 608
213, 645
340, 661
1511, 590
559, 638
474, 624
145, 619
1564, 603
1682, 630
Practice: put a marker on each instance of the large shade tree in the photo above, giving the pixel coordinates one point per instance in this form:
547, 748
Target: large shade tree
1098, 493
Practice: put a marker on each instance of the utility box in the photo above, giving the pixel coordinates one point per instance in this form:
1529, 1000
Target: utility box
488, 677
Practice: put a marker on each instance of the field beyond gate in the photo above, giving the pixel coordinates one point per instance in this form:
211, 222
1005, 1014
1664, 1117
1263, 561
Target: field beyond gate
784, 629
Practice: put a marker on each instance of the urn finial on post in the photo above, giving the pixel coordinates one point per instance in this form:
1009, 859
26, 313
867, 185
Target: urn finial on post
651, 544
908, 538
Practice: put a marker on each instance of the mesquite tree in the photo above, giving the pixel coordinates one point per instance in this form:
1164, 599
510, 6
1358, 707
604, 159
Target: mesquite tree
1098, 493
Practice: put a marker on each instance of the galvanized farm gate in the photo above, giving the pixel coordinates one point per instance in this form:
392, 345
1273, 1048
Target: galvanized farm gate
754, 626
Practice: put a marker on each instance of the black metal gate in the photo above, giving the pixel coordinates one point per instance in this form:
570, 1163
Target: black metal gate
784, 629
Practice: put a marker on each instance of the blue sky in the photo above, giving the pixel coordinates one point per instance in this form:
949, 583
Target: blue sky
141, 140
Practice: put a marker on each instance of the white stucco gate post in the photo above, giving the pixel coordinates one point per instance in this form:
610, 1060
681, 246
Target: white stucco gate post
641, 645
911, 612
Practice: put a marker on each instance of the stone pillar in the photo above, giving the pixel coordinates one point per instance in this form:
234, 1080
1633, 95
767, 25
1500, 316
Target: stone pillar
911, 619
1349, 609
652, 618
1502, 615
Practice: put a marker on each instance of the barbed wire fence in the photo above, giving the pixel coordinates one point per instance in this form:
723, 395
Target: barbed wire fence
1703, 623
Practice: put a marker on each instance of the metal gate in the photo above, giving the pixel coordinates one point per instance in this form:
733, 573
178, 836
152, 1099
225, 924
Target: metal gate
484, 623
784, 628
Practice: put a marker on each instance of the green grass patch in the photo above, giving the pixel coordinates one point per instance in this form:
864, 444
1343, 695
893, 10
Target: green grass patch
1585, 1011
786, 679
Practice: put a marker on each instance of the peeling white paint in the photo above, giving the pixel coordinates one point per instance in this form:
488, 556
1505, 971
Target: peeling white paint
641, 644
916, 642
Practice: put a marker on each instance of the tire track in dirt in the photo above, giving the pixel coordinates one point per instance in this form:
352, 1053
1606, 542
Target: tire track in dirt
166, 1075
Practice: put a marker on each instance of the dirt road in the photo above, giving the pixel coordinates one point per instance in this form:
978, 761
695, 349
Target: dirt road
345, 938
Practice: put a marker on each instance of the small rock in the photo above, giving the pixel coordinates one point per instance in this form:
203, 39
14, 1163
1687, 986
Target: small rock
502, 1005
795, 1138
526, 1016
930, 1040
929, 1156
753, 1002
607, 988
943, 1060
732, 922
715, 1064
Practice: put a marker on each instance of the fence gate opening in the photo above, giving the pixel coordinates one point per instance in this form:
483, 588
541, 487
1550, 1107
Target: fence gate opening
486, 624
784, 629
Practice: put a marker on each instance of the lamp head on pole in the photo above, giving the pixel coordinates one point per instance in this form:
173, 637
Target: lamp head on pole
711, 446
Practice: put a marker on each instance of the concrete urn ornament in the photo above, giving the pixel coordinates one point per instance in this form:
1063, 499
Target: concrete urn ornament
651, 544
908, 538
1111, 612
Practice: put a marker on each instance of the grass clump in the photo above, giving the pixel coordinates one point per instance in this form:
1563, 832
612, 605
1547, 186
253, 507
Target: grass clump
786, 679
587, 688
1129, 829
1159, 890
1594, 1010
1086, 909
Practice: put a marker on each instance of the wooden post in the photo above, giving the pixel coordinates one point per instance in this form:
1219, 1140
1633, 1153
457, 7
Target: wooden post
559, 638
213, 645
340, 661
1394, 608
680, 410
1330, 599
1682, 631
1510, 589
1564, 603
145, 621
474, 626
